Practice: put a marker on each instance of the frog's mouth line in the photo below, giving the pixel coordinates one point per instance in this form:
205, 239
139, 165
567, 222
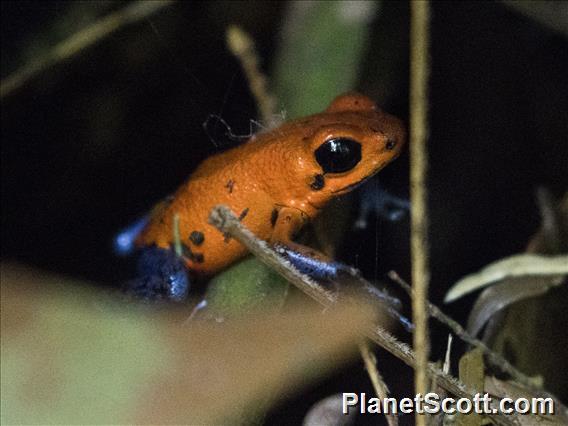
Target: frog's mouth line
314, 206
352, 186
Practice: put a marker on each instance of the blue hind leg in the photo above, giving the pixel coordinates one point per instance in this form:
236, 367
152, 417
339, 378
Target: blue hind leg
162, 275
317, 266
312, 263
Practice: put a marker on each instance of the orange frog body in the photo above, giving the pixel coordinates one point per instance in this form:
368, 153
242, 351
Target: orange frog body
277, 181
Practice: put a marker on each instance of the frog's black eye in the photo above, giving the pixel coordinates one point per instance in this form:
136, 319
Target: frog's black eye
338, 155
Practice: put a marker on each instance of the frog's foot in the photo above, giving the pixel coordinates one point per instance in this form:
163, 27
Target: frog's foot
377, 200
162, 275
124, 243
313, 263
320, 267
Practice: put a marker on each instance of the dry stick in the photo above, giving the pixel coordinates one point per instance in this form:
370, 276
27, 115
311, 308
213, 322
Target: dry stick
419, 71
227, 222
381, 389
242, 46
493, 357
134, 12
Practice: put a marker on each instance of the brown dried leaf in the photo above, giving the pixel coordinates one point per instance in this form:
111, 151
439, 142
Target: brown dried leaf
498, 297
552, 237
514, 266
472, 373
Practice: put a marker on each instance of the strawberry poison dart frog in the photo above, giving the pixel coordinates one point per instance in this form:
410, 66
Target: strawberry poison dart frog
277, 181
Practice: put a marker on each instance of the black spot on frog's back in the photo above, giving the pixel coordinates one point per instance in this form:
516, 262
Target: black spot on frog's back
197, 238
243, 214
187, 252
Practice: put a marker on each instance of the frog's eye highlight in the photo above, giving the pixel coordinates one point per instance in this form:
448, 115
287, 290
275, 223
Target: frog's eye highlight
338, 155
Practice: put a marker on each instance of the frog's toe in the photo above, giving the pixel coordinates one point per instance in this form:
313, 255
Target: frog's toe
378, 201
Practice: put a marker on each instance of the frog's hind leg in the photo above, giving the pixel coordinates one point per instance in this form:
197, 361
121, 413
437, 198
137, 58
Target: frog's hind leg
162, 275
312, 262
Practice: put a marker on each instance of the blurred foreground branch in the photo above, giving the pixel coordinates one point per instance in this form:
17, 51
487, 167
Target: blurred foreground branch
132, 13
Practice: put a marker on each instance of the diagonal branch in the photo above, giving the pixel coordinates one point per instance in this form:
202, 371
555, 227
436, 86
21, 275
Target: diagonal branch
223, 219
493, 357
87, 37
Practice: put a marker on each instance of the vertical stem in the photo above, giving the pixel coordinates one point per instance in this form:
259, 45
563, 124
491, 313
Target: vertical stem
177, 239
243, 47
419, 60
381, 389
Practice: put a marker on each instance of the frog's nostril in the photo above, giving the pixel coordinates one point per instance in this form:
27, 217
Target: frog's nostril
391, 143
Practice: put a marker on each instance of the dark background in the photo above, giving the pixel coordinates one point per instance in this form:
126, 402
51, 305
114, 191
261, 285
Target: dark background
95, 141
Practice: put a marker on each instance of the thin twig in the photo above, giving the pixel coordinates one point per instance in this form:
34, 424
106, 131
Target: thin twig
176, 236
438, 419
87, 37
227, 222
381, 388
242, 46
493, 357
419, 72
446, 366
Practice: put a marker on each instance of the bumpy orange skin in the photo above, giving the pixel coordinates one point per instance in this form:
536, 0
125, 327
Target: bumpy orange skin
268, 180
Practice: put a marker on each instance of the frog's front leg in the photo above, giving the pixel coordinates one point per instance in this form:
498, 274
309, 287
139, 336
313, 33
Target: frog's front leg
162, 275
319, 266
307, 260
311, 262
